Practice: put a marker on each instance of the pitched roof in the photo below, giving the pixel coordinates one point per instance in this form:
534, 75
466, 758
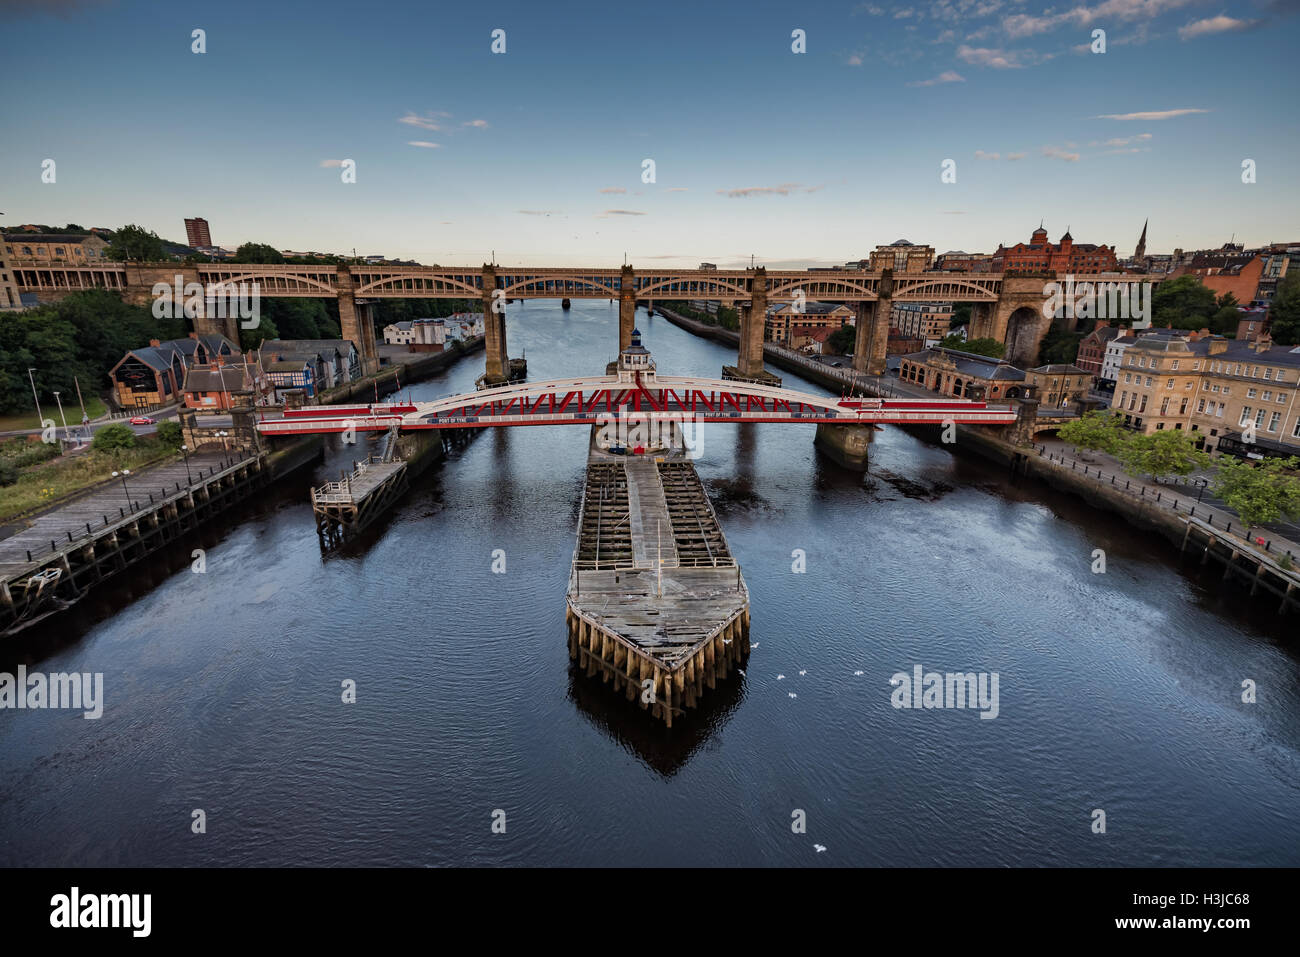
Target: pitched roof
1060, 369
229, 378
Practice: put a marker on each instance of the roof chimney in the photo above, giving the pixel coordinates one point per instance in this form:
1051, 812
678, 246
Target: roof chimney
155, 343
1218, 344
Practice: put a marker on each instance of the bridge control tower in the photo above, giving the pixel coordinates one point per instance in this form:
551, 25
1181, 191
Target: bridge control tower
635, 364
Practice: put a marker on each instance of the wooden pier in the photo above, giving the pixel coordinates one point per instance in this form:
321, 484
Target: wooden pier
67, 551
656, 605
1240, 558
344, 508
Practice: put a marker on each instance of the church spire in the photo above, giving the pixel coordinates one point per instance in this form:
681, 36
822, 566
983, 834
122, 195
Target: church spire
1141, 250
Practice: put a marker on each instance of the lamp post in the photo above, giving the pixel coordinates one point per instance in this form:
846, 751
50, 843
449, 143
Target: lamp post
185, 454
40, 418
123, 474
66, 433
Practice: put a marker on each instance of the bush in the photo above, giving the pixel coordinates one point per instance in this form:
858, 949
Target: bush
8, 474
169, 433
112, 437
21, 453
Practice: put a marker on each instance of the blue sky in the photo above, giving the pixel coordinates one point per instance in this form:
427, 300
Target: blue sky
537, 153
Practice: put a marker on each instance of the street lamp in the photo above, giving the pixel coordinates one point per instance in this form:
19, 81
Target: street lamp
123, 474
185, 449
40, 419
66, 433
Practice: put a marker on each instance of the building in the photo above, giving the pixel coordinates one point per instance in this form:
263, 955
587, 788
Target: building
1059, 386
1252, 324
782, 320
223, 386
1092, 347
1228, 271
10, 298
196, 232
963, 375
1067, 256
1247, 387
153, 375
928, 321
50, 247
958, 261
399, 333
293, 374
902, 256
1158, 383
1114, 355
334, 361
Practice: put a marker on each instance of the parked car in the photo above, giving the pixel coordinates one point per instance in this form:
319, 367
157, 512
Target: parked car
143, 420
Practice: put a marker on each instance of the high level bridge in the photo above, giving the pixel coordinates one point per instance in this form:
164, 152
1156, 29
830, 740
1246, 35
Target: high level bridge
1005, 307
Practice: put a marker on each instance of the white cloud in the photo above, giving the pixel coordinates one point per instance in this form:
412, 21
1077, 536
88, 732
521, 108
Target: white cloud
326, 164
1148, 115
785, 189
424, 144
1020, 25
676, 189
1015, 156
429, 121
1000, 59
855, 60
1212, 25
981, 155
540, 212
621, 212
477, 124
947, 76
1055, 152
613, 189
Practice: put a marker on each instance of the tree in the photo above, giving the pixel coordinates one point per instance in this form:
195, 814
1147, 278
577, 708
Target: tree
170, 433
1183, 303
843, 340
1224, 321
1097, 431
1060, 346
112, 437
135, 244
1162, 453
980, 347
1284, 312
259, 253
1259, 492
250, 339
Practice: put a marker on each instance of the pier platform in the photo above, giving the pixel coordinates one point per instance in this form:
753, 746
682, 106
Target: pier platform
656, 604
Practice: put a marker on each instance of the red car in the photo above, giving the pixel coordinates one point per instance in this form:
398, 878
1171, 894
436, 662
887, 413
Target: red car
143, 420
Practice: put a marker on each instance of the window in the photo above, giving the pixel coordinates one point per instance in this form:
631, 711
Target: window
1250, 393
1281, 397
1296, 431
1227, 390
1164, 407
1182, 408
1274, 420
1143, 406
1268, 373
1218, 413
1169, 384
1175, 365
1128, 377
1148, 382
1123, 397
1259, 418
1267, 396
1200, 406
1254, 373
1245, 415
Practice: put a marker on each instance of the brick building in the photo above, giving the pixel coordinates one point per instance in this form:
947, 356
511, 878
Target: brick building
1067, 256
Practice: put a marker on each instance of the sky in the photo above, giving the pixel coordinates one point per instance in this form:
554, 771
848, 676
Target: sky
537, 155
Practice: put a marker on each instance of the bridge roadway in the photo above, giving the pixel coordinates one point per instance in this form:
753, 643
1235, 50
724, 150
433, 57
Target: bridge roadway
599, 400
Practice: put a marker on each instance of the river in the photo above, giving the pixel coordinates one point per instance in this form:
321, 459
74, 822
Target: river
1118, 691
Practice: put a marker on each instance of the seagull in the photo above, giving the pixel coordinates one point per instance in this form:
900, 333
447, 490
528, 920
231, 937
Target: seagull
804, 672
726, 641
819, 848
780, 677
792, 694
858, 674
754, 645
742, 672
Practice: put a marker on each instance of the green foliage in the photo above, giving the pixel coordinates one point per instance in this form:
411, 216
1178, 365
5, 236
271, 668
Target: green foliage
116, 436
960, 315
1059, 346
1161, 454
81, 336
265, 329
1098, 431
1284, 311
8, 474
170, 433
257, 253
729, 318
1183, 303
979, 347
1260, 492
1224, 321
136, 244
21, 452
843, 340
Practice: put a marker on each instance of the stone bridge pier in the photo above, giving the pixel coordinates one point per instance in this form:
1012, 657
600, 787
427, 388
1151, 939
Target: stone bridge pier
494, 329
753, 326
356, 319
626, 307
1016, 319
872, 329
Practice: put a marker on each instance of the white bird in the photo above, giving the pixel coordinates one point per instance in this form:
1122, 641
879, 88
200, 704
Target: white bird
858, 673
792, 694
726, 641
742, 672
819, 848
754, 645
780, 677
804, 672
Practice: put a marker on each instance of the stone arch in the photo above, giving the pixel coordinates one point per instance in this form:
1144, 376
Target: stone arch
1026, 327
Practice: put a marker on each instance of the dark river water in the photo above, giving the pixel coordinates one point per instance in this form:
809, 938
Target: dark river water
1118, 691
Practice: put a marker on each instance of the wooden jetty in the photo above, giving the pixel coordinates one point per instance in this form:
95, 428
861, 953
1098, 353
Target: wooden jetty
1243, 559
67, 551
344, 508
656, 603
